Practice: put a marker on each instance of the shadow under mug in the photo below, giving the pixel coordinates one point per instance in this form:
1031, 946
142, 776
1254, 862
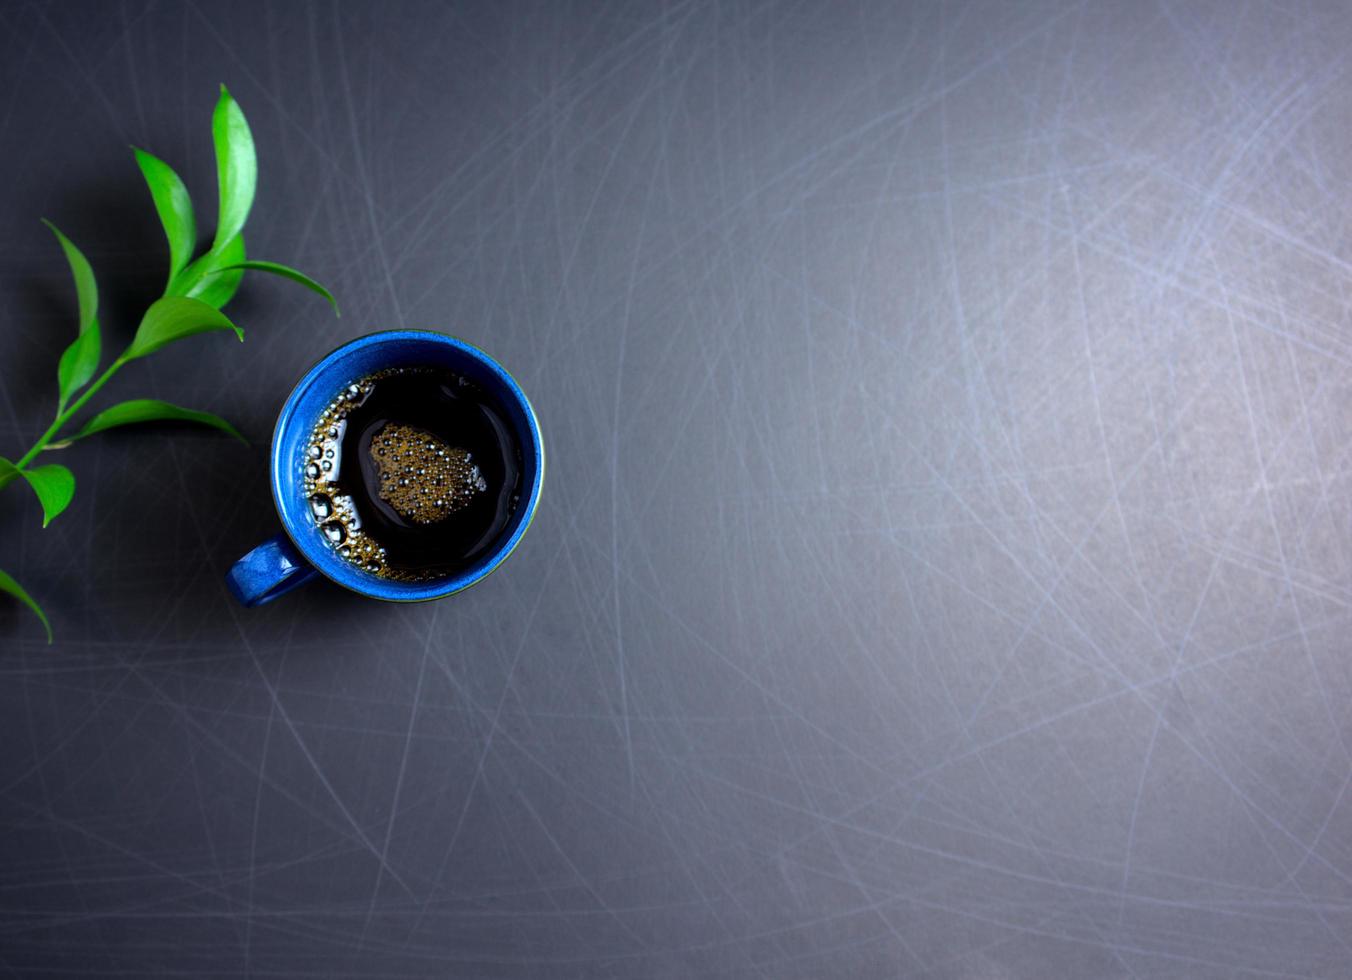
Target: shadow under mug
295, 557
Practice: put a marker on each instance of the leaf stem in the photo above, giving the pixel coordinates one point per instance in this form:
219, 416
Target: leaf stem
65, 416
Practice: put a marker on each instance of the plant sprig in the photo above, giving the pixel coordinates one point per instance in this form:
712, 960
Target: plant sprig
196, 290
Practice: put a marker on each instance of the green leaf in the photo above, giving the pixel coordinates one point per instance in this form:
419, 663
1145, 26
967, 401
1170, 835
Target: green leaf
54, 485
236, 168
203, 280
7, 584
172, 318
150, 410
85, 287
286, 272
78, 364
174, 207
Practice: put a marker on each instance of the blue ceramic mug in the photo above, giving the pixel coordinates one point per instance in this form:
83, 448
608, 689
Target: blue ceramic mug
288, 560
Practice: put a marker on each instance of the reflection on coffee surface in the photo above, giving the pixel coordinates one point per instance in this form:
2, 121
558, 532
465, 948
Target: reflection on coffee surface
412, 473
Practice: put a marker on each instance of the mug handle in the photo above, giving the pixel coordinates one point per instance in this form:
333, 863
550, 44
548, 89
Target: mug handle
272, 569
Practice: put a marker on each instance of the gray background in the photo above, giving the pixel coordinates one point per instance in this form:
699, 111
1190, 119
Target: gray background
944, 564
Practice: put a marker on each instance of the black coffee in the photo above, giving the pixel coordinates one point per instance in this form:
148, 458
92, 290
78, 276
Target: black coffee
412, 473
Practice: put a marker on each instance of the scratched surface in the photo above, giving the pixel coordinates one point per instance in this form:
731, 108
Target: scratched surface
944, 564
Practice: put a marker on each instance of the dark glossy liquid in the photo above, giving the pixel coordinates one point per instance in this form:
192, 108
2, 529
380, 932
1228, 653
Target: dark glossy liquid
457, 421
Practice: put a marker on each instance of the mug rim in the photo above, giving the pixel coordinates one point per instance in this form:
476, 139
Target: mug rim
383, 589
